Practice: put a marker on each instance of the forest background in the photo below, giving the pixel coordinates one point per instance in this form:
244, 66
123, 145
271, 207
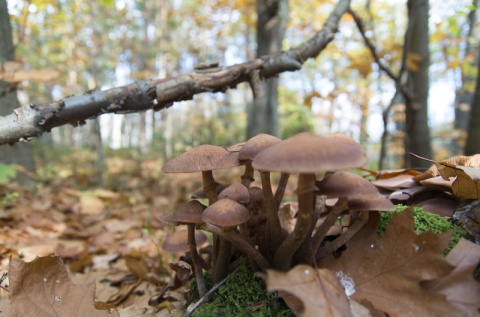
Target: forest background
66, 48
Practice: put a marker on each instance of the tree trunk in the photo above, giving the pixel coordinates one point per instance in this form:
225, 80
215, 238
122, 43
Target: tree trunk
464, 95
473, 138
19, 153
272, 16
417, 138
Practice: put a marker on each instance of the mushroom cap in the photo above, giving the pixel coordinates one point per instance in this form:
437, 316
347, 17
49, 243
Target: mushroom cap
307, 153
256, 193
341, 183
255, 145
190, 212
202, 158
178, 241
226, 213
370, 202
237, 192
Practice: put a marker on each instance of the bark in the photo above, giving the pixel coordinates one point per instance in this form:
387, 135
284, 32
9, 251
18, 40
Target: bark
20, 153
272, 17
417, 137
464, 95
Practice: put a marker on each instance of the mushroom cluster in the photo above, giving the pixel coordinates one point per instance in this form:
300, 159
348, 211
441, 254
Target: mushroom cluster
244, 219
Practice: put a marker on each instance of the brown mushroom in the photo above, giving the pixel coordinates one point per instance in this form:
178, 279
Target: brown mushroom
342, 183
227, 214
251, 148
190, 214
204, 158
237, 192
305, 154
177, 242
223, 216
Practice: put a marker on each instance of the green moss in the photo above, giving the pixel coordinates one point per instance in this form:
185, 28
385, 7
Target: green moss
243, 295
425, 221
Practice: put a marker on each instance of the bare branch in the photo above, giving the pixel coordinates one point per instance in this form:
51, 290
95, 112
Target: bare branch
31, 121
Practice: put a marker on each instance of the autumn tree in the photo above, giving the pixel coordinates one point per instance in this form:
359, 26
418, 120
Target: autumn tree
465, 91
272, 17
473, 140
418, 133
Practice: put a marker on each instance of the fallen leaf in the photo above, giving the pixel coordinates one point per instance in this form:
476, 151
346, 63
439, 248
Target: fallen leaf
319, 290
42, 288
438, 205
464, 186
387, 270
460, 286
396, 182
91, 205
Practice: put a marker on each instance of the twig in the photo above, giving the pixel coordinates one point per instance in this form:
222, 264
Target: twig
207, 295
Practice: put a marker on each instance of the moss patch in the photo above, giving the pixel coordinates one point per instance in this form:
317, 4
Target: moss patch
244, 295
425, 221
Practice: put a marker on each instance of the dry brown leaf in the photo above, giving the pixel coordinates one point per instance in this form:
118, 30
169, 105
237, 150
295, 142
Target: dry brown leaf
42, 288
387, 270
396, 182
464, 186
459, 160
459, 286
91, 205
319, 290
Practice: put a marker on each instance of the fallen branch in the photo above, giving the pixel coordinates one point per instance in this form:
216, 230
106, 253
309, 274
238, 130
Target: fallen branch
33, 120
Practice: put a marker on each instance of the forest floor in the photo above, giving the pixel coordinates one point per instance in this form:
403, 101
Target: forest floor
110, 236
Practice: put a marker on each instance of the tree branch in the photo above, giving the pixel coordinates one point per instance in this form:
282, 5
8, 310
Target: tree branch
33, 120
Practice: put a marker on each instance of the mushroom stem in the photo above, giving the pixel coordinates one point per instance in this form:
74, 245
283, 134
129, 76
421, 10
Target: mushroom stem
284, 254
274, 230
220, 270
345, 237
332, 216
306, 254
247, 176
240, 243
282, 185
209, 186
196, 260
245, 234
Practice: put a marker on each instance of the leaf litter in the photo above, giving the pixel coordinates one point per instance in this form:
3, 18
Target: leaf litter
115, 241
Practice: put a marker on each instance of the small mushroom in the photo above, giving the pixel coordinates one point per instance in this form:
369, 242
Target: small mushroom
251, 148
228, 214
342, 183
177, 242
190, 214
222, 218
237, 192
204, 158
